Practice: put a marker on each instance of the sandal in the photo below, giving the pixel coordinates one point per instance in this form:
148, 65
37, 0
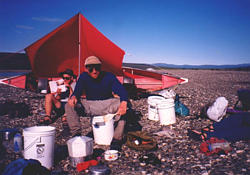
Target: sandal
208, 129
47, 120
197, 136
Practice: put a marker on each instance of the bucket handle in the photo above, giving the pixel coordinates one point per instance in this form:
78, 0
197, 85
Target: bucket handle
157, 112
32, 143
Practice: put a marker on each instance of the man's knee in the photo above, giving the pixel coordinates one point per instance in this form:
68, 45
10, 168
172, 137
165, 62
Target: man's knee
68, 107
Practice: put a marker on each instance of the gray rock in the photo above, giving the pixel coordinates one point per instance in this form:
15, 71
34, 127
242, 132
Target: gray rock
180, 155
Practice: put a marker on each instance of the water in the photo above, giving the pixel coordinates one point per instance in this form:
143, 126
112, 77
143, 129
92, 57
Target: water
11, 74
17, 143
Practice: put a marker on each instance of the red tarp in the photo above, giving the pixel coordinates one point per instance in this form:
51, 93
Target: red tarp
77, 39
59, 49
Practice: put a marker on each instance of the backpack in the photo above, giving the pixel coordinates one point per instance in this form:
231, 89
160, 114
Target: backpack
180, 108
244, 98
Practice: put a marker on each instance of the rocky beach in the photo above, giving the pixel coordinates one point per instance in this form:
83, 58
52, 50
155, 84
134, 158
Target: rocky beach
178, 154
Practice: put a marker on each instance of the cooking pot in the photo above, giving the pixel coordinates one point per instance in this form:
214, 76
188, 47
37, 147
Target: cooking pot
99, 170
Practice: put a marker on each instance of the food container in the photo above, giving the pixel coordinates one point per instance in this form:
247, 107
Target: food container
18, 142
99, 170
111, 155
8, 134
100, 127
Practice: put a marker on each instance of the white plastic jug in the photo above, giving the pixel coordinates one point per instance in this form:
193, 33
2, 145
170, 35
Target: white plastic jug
103, 131
39, 144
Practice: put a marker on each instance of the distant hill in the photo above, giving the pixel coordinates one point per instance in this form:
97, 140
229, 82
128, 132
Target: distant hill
140, 66
14, 61
173, 66
20, 61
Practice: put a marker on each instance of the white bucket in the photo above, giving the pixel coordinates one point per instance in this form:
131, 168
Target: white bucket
39, 144
103, 131
153, 102
166, 112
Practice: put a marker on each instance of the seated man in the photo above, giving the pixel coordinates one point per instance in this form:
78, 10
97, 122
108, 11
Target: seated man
99, 87
59, 99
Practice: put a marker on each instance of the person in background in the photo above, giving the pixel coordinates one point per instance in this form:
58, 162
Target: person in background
58, 100
233, 128
99, 87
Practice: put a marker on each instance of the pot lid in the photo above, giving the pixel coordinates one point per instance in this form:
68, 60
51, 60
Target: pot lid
99, 169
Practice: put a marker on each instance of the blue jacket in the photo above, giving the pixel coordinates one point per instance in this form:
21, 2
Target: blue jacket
100, 88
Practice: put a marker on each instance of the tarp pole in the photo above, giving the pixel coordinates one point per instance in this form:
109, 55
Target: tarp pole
79, 45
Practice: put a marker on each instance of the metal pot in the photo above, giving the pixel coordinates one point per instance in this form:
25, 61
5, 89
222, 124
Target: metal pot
99, 170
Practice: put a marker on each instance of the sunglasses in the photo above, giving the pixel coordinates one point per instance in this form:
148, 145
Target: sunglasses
91, 67
66, 78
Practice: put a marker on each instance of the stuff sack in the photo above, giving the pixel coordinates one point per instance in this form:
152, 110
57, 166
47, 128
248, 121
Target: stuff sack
25, 167
218, 110
215, 146
244, 98
141, 141
180, 108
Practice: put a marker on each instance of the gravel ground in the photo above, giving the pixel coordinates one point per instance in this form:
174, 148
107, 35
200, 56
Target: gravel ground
178, 155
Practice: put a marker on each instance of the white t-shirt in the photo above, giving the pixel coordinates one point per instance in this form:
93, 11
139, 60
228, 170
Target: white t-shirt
65, 99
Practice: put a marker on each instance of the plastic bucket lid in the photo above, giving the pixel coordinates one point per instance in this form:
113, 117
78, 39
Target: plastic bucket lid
41, 130
166, 103
154, 100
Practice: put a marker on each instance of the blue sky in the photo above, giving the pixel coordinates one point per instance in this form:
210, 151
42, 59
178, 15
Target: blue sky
149, 31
